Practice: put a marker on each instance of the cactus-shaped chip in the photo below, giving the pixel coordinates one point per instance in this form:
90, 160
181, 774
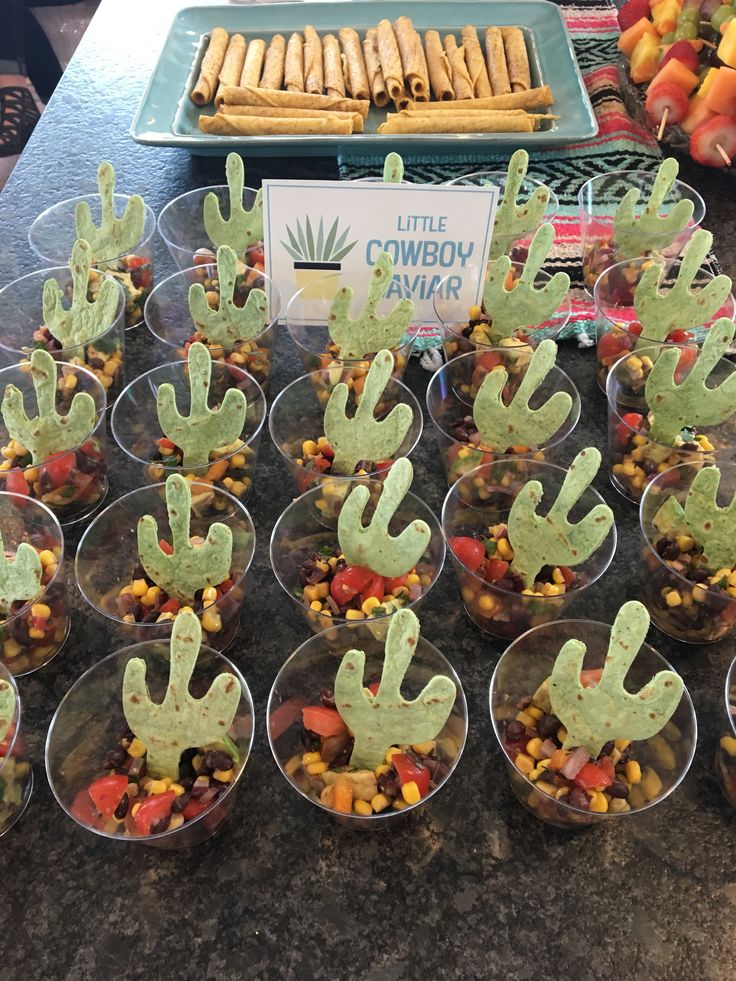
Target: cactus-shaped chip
115, 236
180, 721
7, 708
363, 437
228, 323
204, 429
243, 228
368, 332
517, 424
593, 716
524, 305
712, 527
649, 231
20, 576
187, 568
554, 540
387, 718
372, 546
515, 219
48, 433
674, 405
84, 319
393, 169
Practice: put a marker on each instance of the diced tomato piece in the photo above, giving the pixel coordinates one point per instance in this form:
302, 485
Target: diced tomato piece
488, 360
590, 677
376, 587
678, 336
107, 792
496, 569
84, 811
16, 483
567, 574
605, 763
165, 547
611, 346
408, 770
591, 777
392, 584
322, 720
320, 463
284, 716
58, 468
349, 582
166, 444
688, 357
632, 420
152, 809
170, 606
194, 808
225, 586
327, 451
383, 465
373, 688
136, 261
467, 550
254, 256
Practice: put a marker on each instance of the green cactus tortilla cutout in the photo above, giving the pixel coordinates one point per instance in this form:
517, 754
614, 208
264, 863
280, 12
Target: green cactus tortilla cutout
20, 576
514, 220
228, 323
372, 546
180, 721
674, 406
363, 437
48, 433
189, 567
368, 332
7, 708
243, 228
554, 540
204, 429
524, 305
593, 716
85, 319
393, 169
713, 528
517, 424
650, 231
115, 236
388, 719
679, 308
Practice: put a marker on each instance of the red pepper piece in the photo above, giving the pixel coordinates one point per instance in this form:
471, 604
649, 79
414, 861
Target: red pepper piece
152, 809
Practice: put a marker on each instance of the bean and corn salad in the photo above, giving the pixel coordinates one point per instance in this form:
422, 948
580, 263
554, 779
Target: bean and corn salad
726, 752
33, 632
231, 467
15, 774
135, 275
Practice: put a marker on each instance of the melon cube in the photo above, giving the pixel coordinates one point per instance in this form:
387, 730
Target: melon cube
632, 35
645, 59
727, 48
675, 71
697, 113
721, 95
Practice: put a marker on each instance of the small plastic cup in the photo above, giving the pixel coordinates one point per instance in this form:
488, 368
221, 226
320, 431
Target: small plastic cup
633, 458
451, 395
53, 233
72, 484
461, 334
517, 248
725, 761
483, 498
136, 432
34, 631
617, 327
107, 559
22, 319
297, 416
677, 604
168, 318
89, 720
16, 774
181, 224
308, 317
310, 523
529, 661
312, 667
598, 200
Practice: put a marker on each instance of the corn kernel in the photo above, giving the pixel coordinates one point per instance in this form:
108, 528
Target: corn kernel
309, 448
633, 772
316, 606
699, 593
41, 610
423, 749
598, 803
412, 579
362, 807
536, 713
381, 769
224, 776
139, 587
486, 603
36, 634
622, 744
151, 596
391, 752
524, 763
558, 577
354, 615
157, 787
526, 720
673, 598
504, 549
308, 758
314, 769
410, 792
685, 542
651, 785
728, 745
137, 748
369, 605
211, 621
379, 803
547, 788
663, 752
310, 593
618, 805
177, 788
209, 593
399, 804
534, 749
293, 765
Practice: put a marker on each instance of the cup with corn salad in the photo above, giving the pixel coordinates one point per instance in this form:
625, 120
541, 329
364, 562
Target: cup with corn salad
97, 767
24, 330
16, 774
170, 322
725, 762
568, 788
135, 427
451, 395
312, 745
112, 580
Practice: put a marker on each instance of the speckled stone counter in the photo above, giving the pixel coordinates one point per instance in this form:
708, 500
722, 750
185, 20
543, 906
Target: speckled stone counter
472, 887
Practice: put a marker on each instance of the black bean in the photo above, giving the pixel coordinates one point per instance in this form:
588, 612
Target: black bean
187, 783
388, 783
161, 825
515, 731
667, 548
607, 749
216, 759
547, 726
180, 803
694, 574
578, 798
618, 789
122, 809
115, 758
524, 702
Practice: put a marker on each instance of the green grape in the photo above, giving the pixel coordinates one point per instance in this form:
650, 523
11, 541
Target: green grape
692, 16
668, 38
719, 18
688, 32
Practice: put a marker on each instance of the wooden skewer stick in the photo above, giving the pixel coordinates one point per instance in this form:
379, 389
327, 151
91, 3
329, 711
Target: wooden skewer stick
663, 122
726, 158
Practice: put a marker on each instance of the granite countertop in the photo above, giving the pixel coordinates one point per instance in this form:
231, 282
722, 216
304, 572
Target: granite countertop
471, 887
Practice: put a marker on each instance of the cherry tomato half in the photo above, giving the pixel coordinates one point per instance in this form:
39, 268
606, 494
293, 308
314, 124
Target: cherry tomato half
107, 792
348, 582
469, 551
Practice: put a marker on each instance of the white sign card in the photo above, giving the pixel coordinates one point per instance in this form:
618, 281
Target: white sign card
313, 228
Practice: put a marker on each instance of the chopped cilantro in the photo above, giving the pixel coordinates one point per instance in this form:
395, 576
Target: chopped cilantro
490, 545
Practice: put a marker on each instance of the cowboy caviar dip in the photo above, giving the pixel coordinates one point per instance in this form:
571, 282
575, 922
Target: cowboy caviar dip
135, 275
34, 631
316, 460
15, 776
231, 467
726, 748
614, 343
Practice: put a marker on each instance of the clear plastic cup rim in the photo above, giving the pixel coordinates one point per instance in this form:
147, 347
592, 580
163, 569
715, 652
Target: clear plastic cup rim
730, 682
5, 675
489, 176
636, 177
197, 191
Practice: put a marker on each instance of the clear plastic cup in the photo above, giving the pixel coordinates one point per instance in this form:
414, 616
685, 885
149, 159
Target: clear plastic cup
310, 523
633, 458
677, 605
168, 318
617, 327
460, 334
107, 560
34, 631
509, 244
21, 316
136, 433
483, 498
312, 667
308, 316
16, 774
53, 234
526, 664
89, 720
72, 484
725, 761
598, 200
297, 415
181, 224
451, 395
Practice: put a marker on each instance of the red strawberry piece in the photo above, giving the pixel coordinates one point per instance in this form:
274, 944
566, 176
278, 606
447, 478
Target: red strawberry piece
631, 12
705, 139
684, 52
669, 96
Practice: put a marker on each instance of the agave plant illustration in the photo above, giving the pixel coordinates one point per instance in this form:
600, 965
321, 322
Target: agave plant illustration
306, 247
